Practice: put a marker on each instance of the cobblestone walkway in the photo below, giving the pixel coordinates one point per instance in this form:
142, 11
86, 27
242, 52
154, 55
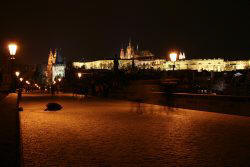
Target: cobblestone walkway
97, 132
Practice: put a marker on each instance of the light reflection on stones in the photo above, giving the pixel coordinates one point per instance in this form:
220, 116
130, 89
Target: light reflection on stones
114, 133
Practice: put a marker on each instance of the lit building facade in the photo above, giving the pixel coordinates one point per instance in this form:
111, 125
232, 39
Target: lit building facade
146, 60
56, 66
132, 53
216, 65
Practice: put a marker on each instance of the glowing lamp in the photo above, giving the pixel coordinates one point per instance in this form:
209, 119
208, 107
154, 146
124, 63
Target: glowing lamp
79, 75
12, 49
173, 56
17, 73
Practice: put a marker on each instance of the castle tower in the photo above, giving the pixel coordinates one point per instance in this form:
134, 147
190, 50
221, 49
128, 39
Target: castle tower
130, 51
51, 58
49, 67
54, 56
122, 54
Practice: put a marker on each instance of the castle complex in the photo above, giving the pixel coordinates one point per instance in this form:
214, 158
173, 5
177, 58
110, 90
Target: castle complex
131, 53
146, 60
56, 66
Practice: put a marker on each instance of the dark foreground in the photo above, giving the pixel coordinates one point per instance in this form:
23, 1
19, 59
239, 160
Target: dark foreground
10, 147
97, 132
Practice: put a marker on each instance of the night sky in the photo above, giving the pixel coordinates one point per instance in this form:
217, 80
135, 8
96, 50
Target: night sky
97, 29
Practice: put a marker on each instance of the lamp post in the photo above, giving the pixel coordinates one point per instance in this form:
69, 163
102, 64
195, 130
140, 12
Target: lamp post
79, 75
12, 50
59, 85
17, 85
17, 73
173, 58
19, 90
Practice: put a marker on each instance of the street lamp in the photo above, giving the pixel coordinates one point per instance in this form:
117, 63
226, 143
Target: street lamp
12, 49
173, 58
21, 79
79, 75
59, 79
17, 73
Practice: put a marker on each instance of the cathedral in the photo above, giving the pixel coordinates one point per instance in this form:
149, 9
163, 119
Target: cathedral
56, 66
132, 53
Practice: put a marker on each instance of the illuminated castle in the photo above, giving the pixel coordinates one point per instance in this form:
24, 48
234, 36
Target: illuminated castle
56, 66
132, 53
216, 65
146, 60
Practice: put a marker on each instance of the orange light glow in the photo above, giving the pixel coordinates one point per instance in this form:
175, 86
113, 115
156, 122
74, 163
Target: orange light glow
12, 49
17, 73
79, 75
173, 56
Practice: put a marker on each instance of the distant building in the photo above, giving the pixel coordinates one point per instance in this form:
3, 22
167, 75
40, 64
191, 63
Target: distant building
132, 53
146, 60
56, 66
216, 65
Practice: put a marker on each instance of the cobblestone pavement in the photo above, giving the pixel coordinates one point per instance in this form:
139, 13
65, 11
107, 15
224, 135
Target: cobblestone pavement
99, 132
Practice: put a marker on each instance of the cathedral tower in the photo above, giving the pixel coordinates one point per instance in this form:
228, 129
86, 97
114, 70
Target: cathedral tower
51, 60
122, 54
130, 51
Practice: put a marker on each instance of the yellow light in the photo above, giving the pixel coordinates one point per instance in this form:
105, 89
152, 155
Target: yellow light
182, 56
17, 73
173, 56
59, 79
79, 75
12, 49
27, 82
21, 79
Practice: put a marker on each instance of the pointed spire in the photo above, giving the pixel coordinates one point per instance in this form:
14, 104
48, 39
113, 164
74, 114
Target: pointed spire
129, 43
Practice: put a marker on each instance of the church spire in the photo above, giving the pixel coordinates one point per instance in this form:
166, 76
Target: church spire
129, 42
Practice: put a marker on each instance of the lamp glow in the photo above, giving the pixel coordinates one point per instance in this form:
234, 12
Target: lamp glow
173, 56
12, 49
17, 73
79, 75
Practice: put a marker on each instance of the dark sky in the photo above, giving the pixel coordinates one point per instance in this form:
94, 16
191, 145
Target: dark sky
97, 29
